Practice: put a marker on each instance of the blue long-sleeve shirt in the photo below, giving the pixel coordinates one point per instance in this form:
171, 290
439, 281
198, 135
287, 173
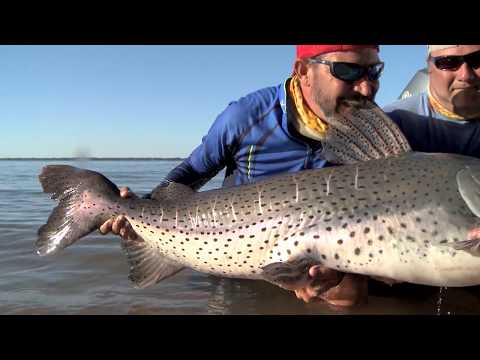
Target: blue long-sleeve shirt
429, 131
252, 138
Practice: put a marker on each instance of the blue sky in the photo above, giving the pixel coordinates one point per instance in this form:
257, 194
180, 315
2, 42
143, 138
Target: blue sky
142, 101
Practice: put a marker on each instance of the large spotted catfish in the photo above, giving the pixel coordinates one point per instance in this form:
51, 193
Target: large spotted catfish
387, 212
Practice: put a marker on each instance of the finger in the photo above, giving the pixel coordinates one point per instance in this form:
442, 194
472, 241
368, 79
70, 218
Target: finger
118, 223
301, 295
297, 294
106, 226
125, 192
315, 270
122, 232
304, 295
320, 271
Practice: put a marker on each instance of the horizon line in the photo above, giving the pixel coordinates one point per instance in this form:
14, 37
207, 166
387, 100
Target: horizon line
92, 158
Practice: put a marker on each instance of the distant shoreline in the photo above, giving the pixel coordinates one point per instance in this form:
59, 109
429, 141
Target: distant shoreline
92, 159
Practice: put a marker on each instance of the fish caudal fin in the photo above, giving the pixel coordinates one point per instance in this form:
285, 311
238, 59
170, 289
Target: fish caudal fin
361, 131
148, 265
80, 194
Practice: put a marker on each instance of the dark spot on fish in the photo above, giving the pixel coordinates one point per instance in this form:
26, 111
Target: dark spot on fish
357, 251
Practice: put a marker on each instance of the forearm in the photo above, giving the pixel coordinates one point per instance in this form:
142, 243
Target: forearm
185, 174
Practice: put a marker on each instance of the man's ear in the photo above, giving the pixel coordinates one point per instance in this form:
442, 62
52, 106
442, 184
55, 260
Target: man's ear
429, 65
301, 70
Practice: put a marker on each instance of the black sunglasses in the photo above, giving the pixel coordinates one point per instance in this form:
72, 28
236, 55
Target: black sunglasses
453, 62
351, 72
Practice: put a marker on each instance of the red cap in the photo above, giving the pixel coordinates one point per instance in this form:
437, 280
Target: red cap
306, 51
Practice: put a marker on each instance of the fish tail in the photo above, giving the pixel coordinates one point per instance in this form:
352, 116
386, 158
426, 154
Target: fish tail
84, 203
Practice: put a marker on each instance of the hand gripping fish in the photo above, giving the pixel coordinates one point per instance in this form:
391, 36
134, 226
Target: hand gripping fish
387, 212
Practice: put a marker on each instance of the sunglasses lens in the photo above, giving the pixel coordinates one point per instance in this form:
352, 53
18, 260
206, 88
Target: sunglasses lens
473, 60
375, 71
348, 72
448, 62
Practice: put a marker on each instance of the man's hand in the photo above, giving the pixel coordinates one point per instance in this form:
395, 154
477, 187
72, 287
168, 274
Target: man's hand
120, 225
352, 290
334, 287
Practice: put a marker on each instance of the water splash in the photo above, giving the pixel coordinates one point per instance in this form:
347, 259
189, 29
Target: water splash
442, 294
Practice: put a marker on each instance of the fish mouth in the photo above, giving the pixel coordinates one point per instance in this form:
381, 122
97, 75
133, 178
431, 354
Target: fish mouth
345, 106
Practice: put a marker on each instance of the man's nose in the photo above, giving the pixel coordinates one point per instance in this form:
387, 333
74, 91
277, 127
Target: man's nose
466, 73
365, 87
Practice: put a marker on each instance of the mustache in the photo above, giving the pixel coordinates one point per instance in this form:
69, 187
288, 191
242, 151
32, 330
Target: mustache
350, 102
356, 101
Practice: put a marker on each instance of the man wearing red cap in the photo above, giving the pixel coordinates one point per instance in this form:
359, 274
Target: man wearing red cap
277, 130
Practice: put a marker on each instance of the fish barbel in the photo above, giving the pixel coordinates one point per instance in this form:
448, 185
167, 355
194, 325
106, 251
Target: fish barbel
388, 212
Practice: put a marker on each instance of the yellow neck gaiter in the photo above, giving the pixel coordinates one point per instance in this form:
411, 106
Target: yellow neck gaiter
308, 124
439, 108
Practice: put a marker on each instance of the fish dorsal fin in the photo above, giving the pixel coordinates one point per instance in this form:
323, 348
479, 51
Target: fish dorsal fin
360, 131
172, 192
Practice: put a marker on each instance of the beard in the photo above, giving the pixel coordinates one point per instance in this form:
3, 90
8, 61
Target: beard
330, 105
327, 103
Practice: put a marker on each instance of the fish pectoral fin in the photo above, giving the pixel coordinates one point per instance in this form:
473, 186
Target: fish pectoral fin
468, 181
148, 265
290, 275
471, 246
